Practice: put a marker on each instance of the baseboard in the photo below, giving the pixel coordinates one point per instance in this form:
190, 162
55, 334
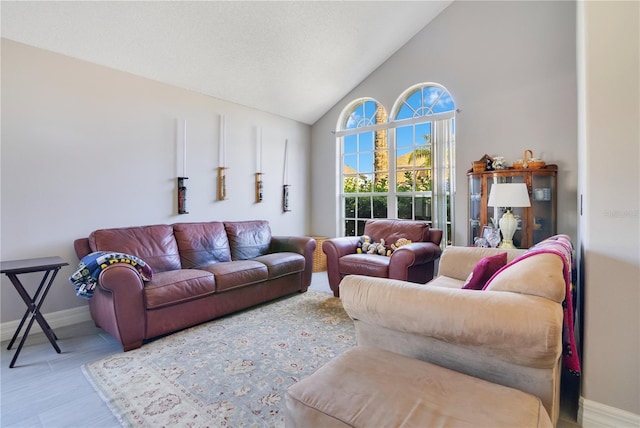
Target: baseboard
592, 414
55, 320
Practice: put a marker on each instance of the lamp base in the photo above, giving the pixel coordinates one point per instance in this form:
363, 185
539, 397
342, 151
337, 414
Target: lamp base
508, 226
507, 245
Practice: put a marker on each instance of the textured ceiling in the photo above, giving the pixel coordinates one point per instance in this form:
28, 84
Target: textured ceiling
293, 58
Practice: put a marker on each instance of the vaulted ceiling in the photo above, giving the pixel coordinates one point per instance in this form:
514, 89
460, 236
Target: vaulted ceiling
291, 58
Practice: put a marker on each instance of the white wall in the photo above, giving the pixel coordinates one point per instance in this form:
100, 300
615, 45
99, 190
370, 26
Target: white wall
609, 65
510, 67
87, 147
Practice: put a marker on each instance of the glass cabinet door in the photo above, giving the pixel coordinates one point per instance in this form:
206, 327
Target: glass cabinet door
535, 223
519, 213
543, 207
475, 196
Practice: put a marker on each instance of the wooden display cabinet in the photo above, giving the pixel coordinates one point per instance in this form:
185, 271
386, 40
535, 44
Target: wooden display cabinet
536, 223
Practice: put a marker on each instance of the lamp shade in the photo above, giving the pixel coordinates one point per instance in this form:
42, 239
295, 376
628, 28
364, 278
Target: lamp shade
509, 195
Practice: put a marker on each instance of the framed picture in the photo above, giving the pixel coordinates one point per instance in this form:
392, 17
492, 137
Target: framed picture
487, 231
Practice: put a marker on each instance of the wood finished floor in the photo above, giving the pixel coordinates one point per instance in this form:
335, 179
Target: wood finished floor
46, 389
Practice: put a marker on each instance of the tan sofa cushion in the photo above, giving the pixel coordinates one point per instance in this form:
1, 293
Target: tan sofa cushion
458, 262
367, 387
510, 333
445, 281
484, 270
518, 328
536, 275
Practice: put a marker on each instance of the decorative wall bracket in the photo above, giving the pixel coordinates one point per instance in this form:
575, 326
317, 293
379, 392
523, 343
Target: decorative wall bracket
222, 183
182, 196
285, 198
259, 187
285, 179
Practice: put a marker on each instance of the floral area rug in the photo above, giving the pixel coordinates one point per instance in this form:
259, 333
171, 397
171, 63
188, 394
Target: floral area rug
230, 372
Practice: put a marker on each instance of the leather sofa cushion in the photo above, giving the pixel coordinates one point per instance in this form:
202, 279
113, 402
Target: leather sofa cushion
202, 244
248, 239
281, 264
178, 286
364, 264
392, 230
155, 244
238, 273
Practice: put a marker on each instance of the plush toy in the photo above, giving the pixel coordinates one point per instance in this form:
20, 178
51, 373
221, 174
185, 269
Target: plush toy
377, 248
399, 243
381, 248
363, 244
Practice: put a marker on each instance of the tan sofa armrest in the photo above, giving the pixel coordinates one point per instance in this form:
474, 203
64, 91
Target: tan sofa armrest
521, 329
458, 262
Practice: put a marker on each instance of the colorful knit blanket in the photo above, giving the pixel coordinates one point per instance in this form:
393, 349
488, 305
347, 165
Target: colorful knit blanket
85, 278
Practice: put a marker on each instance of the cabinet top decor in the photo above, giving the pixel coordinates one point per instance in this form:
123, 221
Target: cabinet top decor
528, 162
546, 167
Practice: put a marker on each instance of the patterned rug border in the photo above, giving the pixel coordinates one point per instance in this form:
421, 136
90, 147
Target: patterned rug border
115, 410
258, 376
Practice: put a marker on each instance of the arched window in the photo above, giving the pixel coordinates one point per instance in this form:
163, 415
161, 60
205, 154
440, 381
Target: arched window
424, 119
417, 146
365, 164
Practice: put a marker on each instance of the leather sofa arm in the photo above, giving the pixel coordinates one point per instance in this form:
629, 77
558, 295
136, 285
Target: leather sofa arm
81, 247
123, 286
435, 236
303, 245
517, 328
416, 253
335, 248
292, 244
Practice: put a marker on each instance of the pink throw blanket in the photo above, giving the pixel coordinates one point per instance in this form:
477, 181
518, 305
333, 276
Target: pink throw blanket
561, 245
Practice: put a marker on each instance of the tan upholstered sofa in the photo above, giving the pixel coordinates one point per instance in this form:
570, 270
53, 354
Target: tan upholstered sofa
509, 334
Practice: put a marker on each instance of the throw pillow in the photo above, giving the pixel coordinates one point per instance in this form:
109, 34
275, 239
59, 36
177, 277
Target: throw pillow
484, 270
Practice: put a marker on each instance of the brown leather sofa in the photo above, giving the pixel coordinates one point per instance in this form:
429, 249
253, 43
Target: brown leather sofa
201, 271
414, 262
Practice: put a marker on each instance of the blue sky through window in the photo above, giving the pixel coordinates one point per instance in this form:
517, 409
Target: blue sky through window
425, 101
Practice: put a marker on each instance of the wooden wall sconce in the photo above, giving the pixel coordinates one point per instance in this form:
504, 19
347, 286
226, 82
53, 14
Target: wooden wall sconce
259, 187
182, 196
222, 183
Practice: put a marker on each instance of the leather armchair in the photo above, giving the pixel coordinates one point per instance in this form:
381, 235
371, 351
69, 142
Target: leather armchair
414, 262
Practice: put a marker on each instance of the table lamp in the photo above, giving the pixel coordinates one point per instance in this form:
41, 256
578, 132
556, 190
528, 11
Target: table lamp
508, 195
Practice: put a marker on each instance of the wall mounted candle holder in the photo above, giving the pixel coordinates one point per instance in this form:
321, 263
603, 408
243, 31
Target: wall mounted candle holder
182, 196
285, 179
222, 183
222, 160
259, 187
285, 198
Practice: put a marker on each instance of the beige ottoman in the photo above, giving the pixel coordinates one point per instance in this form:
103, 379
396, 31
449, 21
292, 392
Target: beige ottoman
367, 387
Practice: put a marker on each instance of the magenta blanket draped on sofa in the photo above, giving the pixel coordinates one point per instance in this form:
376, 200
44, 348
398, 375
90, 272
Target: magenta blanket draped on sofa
560, 245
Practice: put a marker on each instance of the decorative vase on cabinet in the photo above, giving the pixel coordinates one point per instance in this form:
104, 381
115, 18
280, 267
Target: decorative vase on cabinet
536, 223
